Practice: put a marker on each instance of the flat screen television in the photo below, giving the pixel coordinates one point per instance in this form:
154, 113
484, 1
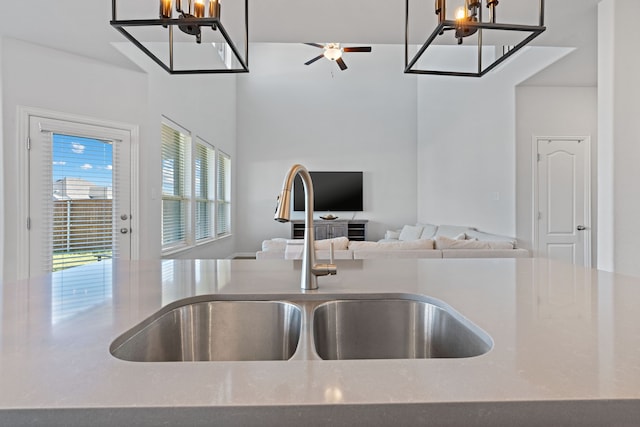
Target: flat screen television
332, 191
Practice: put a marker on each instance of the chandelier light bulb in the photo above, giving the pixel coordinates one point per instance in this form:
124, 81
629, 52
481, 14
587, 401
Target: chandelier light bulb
460, 13
198, 9
214, 9
165, 8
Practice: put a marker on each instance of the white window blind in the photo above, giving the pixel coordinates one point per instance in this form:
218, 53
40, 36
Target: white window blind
174, 186
223, 195
196, 190
79, 202
204, 164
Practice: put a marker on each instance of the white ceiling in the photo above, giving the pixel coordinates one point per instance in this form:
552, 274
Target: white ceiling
82, 27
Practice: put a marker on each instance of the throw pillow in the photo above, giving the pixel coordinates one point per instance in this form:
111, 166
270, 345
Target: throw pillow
410, 233
390, 234
428, 231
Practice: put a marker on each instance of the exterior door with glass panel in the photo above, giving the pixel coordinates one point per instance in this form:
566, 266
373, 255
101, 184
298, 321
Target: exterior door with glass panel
563, 200
79, 201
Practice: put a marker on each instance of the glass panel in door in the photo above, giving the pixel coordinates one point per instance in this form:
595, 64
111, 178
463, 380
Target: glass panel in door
82, 182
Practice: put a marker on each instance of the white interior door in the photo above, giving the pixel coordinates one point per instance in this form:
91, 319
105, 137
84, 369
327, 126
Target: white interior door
79, 204
563, 200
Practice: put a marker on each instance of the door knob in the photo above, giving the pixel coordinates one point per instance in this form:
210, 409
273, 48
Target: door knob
124, 230
581, 228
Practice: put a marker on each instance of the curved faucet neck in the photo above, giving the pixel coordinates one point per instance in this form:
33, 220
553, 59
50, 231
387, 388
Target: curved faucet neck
310, 271
308, 281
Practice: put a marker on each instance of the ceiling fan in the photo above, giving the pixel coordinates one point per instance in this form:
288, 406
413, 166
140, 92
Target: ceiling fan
333, 52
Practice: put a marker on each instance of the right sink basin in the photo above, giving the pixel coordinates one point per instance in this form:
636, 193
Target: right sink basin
394, 329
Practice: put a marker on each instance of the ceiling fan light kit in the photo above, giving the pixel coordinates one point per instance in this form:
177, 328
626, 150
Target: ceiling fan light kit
469, 21
197, 26
333, 52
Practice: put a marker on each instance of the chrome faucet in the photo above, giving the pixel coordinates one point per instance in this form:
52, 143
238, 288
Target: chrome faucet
310, 270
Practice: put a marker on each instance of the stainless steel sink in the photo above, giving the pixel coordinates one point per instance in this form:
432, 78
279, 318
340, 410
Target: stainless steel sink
394, 329
214, 331
307, 326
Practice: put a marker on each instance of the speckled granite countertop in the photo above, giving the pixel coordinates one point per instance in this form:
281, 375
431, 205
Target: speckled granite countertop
566, 349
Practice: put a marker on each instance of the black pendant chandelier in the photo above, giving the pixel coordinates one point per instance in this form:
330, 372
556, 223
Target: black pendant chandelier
487, 42
187, 37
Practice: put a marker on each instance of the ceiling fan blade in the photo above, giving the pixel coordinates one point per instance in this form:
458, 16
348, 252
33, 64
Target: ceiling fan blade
341, 64
358, 49
313, 60
316, 45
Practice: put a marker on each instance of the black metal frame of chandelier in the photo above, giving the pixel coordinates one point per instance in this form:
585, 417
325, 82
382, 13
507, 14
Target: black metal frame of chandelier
535, 30
171, 22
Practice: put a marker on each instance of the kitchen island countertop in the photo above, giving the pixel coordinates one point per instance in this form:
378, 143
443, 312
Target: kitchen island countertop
566, 349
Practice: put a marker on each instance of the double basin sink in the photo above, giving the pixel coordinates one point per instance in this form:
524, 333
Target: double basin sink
302, 327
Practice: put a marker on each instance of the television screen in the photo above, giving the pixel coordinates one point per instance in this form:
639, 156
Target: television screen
333, 191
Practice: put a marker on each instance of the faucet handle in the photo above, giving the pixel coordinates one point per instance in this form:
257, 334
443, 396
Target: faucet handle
331, 260
324, 269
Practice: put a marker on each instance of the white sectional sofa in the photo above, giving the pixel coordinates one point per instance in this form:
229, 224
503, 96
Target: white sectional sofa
292, 249
411, 241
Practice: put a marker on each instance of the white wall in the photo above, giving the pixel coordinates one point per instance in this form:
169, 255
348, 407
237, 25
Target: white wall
554, 112
466, 152
361, 119
466, 145
619, 137
34, 76
205, 105
606, 43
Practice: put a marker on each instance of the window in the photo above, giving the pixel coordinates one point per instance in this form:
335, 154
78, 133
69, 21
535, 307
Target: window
205, 196
174, 191
223, 195
196, 190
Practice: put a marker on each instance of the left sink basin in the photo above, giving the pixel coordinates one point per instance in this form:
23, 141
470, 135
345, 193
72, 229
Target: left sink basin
214, 331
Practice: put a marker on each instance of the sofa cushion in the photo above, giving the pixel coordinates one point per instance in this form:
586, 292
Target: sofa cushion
276, 245
270, 255
443, 242
339, 243
296, 252
294, 248
484, 253
410, 233
280, 244
405, 254
325, 255
391, 246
